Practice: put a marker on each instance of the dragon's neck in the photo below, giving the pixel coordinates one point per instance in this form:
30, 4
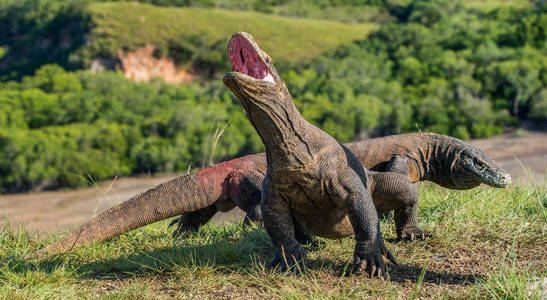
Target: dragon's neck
437, 157
284, 132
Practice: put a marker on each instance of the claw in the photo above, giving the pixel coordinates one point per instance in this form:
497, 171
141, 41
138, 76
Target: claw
183, 231
374, 259
173, 222
372, 271
412, 234
294, 262
357, 264
391, 258
381, 275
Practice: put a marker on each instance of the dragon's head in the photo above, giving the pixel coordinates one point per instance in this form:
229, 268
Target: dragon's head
254, 79
473, 167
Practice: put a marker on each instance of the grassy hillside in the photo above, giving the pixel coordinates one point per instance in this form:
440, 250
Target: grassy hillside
486, 244
129, 25
489, 5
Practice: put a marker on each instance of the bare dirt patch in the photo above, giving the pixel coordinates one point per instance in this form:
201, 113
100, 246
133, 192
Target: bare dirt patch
525, 157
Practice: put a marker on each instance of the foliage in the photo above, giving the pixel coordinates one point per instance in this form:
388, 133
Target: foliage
439, 69
73, 33
348, 11
37, 32
61, 128
194, 34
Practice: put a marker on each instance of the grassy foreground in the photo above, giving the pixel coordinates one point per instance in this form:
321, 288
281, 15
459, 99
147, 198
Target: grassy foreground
487, 243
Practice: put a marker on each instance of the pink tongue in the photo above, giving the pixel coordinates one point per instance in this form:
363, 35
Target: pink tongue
250, 65
245, 60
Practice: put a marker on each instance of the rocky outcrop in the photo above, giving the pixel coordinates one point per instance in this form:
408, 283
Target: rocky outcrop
141, 65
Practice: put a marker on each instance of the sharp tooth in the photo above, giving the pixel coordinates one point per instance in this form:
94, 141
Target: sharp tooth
269, 78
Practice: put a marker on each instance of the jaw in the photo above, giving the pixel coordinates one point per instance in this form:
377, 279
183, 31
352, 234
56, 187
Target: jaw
247, 58
254, 78
500, 179
466, 185
247, 88
263, 94
475, 167
492, 177
251, 65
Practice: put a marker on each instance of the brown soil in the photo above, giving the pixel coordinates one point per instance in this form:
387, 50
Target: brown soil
525, 157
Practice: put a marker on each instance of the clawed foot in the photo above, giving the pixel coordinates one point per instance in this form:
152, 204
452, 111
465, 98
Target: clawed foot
182, 230
412, 233
371, 253
295, 261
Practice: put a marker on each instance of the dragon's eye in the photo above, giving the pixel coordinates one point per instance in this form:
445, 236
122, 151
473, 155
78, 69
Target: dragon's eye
479, 164
267, 60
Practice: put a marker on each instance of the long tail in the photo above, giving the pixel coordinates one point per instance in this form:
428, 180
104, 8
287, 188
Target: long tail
183, 194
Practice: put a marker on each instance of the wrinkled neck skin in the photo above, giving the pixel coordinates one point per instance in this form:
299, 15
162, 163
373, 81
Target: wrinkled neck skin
437, 163
282, 129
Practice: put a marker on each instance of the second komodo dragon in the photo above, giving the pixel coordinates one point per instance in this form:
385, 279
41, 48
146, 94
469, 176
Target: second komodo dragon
447, 161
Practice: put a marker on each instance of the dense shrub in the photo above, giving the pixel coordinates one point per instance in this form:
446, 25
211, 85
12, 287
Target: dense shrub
440, 68
60, 128
39, 32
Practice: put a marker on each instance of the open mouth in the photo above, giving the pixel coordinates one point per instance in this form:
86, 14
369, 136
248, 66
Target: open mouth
246, 60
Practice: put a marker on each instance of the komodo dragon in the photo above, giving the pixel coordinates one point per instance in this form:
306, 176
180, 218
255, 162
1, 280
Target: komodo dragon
310, 176
447, 161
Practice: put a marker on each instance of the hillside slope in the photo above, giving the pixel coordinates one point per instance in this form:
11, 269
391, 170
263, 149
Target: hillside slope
123, 25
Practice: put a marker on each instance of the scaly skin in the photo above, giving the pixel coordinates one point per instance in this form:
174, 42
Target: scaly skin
188, 193
240, 182
310, 176
447, 161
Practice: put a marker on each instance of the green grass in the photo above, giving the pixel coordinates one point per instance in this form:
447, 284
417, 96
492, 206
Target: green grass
488, 5
487, 244
129, 25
